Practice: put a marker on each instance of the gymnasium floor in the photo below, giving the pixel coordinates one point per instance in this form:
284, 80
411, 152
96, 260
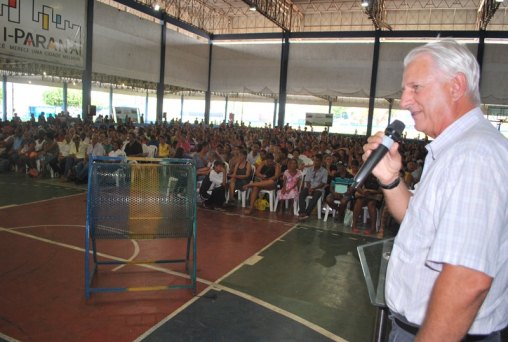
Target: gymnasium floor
263, 277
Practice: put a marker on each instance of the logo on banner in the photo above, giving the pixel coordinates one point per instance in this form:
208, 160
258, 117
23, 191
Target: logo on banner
42, 31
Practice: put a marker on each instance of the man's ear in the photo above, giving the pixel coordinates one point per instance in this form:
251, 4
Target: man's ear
458, 86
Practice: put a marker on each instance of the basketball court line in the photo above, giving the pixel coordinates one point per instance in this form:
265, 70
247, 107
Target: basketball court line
8, 206
40, 201
79, 249
210, 284
286, 223
216, 286
8, 338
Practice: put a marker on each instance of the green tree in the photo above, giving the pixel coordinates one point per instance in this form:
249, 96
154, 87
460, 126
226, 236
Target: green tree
54, 97
74, 98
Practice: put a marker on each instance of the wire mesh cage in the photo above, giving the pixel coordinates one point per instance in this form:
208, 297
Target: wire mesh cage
144, 200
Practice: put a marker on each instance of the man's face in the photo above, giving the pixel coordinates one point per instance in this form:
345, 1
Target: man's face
426, 93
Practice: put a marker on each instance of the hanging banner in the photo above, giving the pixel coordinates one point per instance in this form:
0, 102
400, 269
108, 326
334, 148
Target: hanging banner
44, 30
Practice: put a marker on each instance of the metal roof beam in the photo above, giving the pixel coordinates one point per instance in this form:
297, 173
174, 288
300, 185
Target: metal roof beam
376, 12
282, 13
486, 11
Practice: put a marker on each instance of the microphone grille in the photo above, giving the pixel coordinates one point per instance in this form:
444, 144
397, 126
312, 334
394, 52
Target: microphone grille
398, 126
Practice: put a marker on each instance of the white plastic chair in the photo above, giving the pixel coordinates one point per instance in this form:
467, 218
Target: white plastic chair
152, 151
327, 210
271, 197
296, 205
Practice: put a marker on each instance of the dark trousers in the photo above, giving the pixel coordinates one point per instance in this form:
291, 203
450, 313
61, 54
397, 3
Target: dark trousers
304, 209
217, 198
401, 334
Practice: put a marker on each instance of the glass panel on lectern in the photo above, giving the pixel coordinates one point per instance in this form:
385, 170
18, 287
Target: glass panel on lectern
374, 260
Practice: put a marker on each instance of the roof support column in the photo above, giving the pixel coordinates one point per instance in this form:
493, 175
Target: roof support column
64, 95
480, 51
162, 67
274, 113
373, 81
284, 61
4, 97
226, 110
146, 106
87, 73
208, 94
181, 108
110, 100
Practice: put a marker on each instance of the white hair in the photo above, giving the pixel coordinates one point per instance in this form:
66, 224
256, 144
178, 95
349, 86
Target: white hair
452, 58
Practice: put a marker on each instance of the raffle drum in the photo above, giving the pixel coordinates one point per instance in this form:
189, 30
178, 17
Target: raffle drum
152, 199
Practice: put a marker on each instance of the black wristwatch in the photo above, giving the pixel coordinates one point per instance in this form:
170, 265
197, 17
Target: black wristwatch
392, 185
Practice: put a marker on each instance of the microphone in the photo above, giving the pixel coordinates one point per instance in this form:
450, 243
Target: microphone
392, 134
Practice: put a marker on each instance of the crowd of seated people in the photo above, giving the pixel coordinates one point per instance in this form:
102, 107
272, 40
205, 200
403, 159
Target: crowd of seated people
297, 164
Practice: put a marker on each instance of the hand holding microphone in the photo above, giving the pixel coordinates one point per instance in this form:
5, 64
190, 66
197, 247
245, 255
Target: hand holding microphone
376, 148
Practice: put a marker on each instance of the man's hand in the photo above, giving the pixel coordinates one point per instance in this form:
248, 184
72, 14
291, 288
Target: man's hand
387, 170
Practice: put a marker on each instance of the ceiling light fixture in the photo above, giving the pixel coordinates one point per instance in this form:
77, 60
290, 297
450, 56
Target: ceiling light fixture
365, 3
252, 8
156, 7
499, 0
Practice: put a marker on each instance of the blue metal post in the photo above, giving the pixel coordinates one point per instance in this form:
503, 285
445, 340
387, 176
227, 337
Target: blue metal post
65, 97
4, 97
208, 94
87, 73
181, 108
226, 109
162, 66
373, 81
284, 61
146, 107
110, 102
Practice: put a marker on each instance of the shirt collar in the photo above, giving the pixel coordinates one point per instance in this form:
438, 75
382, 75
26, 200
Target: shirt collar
452, 132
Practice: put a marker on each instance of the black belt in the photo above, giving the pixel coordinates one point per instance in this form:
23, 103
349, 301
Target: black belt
413, 330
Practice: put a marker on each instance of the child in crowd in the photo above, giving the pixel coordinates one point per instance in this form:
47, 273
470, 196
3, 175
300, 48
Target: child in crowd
213, 187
